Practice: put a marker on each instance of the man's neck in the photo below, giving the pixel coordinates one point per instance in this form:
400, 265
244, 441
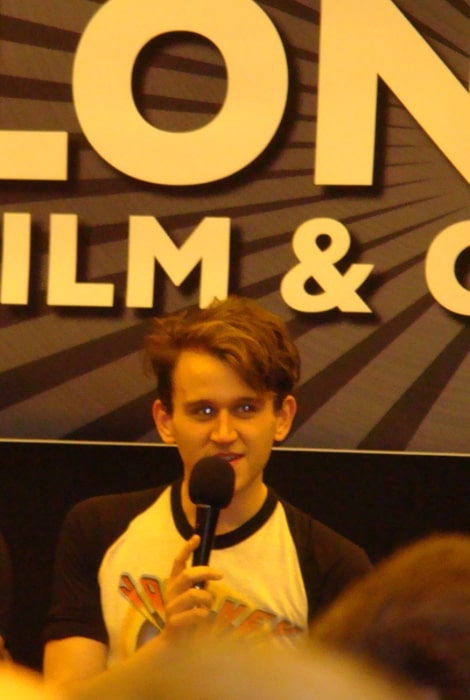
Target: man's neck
244, 505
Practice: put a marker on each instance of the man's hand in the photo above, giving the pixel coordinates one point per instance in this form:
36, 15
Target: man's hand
186, 606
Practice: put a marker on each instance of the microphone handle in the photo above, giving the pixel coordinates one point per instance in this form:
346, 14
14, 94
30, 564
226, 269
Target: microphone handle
206, 522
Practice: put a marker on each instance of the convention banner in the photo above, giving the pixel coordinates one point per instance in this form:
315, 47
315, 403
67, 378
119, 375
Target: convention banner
314, 156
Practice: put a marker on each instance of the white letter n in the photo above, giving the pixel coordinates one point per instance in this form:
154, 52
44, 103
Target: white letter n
360, 41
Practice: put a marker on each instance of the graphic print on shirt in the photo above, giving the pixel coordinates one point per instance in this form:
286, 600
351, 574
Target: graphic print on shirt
229, 614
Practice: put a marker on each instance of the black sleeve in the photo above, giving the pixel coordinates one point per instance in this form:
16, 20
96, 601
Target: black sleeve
329, 562
6, 586
89, 529
341, 563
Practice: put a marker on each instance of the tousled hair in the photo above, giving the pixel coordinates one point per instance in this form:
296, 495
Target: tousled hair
254, 342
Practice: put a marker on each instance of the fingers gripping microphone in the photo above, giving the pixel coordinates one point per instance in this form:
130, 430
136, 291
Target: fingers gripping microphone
211, 486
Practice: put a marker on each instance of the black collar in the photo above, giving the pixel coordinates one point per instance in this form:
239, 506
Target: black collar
228, 539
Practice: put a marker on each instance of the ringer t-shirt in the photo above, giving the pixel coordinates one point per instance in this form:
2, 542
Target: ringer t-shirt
115, 554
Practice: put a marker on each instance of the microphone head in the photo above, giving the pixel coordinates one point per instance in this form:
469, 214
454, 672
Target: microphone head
212, 482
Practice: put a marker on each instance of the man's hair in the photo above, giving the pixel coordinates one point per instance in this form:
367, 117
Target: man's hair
254, 342
411, 616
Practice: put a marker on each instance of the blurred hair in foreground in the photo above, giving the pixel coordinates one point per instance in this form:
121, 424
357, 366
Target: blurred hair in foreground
234, 670
411, 616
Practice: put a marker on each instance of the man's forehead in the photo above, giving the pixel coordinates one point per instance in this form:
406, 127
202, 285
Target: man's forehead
200, 375
203, 365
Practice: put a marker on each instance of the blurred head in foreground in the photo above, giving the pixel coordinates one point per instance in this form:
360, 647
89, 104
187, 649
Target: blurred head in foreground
235, 670
18, 683
411, 616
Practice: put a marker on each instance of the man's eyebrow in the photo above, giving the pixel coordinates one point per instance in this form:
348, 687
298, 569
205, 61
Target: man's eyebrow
252, 397
197, 402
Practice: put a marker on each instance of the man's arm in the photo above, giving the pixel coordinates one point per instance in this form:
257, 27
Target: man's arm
79, 665
73, 659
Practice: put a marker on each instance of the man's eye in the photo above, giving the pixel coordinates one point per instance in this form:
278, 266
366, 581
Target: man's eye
204, 411
246, 408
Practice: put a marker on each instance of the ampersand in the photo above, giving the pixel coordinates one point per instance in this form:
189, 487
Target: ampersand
319, 264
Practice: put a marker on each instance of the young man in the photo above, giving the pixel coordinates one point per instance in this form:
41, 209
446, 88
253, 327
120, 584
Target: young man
225, 377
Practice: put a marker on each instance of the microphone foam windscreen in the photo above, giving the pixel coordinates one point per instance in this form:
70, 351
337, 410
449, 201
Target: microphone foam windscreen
212, 482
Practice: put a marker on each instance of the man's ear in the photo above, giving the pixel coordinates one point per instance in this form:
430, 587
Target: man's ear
285, 416
163, 422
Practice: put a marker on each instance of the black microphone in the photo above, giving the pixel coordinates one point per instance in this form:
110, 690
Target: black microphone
211, 486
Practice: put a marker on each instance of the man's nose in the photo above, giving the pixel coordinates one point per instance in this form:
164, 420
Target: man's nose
224, 428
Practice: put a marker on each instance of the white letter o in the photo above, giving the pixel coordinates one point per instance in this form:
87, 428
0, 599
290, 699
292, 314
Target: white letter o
247, 121
440, 268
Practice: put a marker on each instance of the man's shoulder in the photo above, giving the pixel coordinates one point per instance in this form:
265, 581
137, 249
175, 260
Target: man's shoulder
104, 517
128, 501
329, 561
327, 544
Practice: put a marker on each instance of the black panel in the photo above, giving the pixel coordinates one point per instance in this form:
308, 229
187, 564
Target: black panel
381, 501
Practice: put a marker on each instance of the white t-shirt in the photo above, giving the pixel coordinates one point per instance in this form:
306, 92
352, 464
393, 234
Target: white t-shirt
262, 591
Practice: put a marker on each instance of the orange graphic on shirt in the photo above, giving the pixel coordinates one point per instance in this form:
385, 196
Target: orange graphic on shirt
228, 615
149, 605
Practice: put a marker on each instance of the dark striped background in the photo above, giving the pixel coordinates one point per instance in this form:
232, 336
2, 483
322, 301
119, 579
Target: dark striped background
397, 380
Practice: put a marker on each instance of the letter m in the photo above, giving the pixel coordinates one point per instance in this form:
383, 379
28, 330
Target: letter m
207, 246
360, 41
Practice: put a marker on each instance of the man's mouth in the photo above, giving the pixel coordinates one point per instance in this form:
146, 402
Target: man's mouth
229, 456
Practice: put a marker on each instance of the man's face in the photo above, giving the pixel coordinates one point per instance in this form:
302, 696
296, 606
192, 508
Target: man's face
216, 413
